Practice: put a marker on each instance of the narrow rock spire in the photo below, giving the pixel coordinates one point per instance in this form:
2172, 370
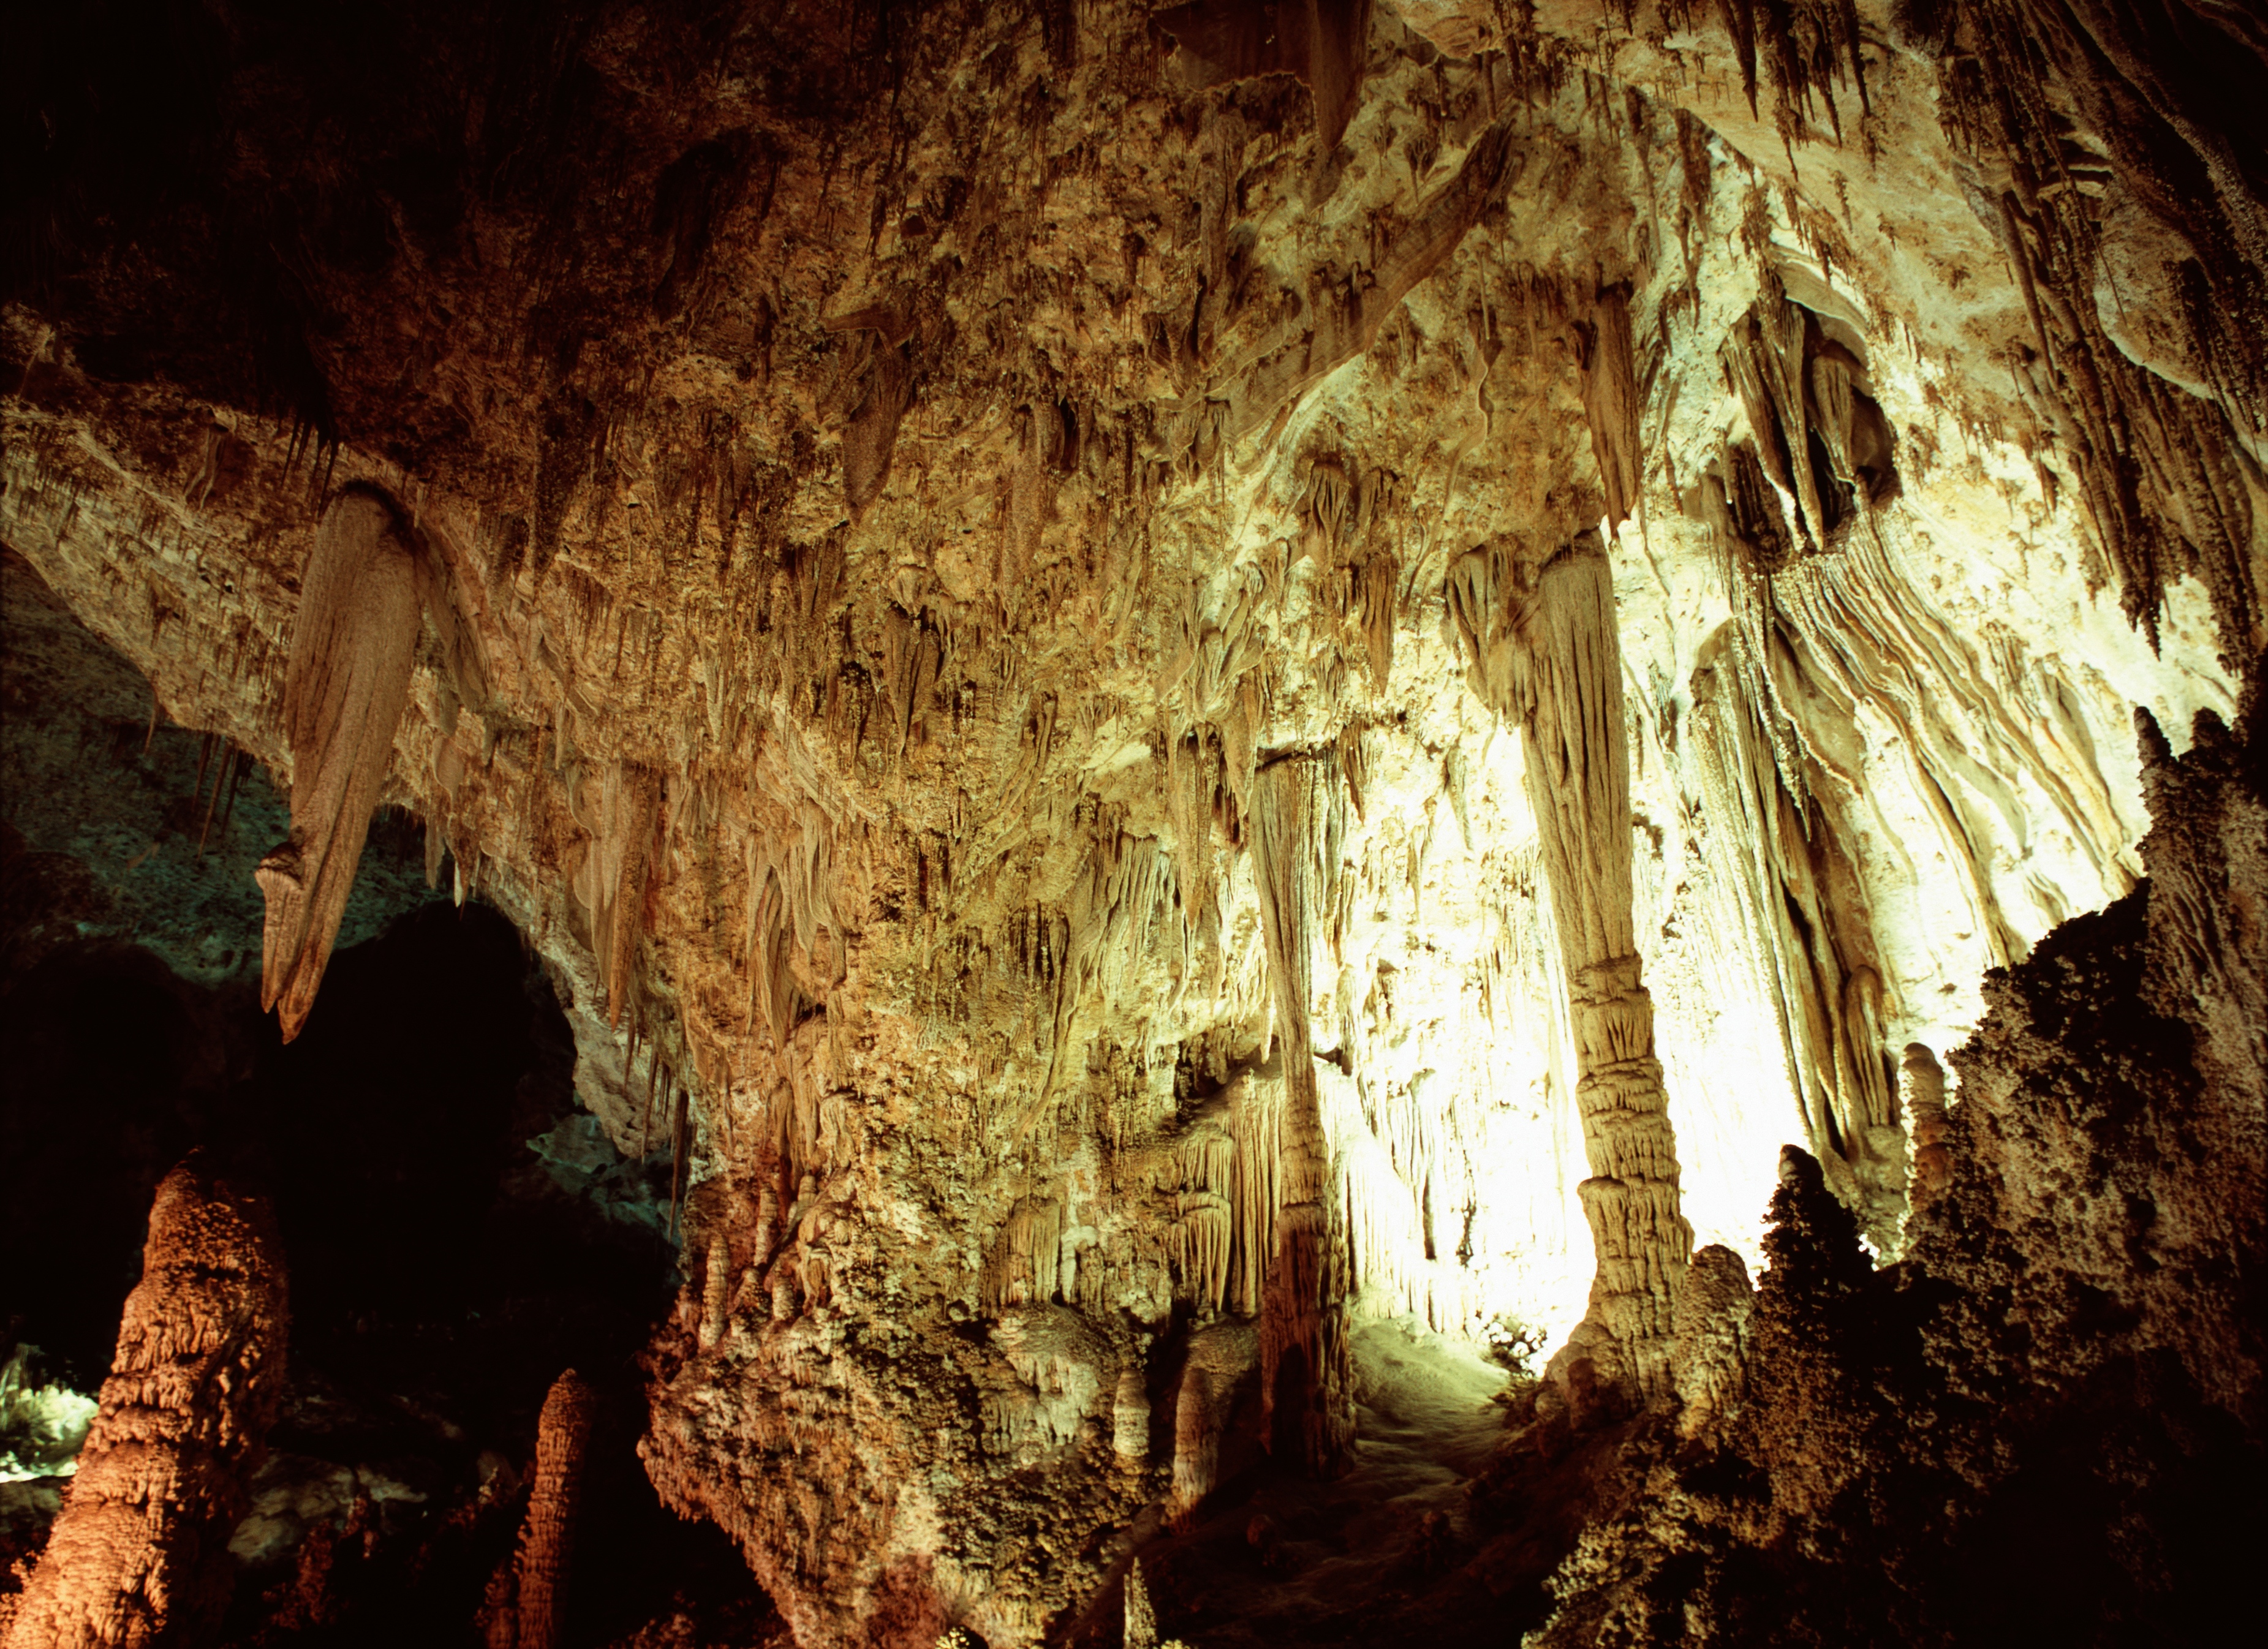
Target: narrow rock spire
527, 1597
1305, 1348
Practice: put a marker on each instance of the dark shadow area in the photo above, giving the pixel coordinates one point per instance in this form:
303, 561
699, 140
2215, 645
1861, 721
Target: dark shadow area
441, 1277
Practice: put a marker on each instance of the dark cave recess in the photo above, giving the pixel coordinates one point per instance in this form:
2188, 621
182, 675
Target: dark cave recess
442, 1274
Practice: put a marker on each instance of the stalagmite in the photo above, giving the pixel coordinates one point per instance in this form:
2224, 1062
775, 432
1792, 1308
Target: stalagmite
529, 1592
1709, 1363
1196, 1445
1141, 1615
1129, 1417
140, 1555
352, 644
1579, 783
1922, 1086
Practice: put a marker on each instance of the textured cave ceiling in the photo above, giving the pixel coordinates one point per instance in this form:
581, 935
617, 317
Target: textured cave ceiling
1172, 692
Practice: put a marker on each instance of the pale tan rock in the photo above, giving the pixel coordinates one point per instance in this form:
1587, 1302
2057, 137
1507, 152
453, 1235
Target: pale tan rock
889, 657
353, 644
1567, 686
1922, 1090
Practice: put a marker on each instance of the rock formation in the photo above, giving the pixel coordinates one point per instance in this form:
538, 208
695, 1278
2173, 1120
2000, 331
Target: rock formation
140, 1555
352, 643
2068, 1355
526, 1604
1160, 684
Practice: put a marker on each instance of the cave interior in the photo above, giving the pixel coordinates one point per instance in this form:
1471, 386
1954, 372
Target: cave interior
1060, 823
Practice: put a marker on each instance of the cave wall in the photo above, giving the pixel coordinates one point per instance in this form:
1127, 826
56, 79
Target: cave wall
2045, 1422
890, 495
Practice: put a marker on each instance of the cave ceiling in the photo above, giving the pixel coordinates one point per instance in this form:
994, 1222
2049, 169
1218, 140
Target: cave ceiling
971, 579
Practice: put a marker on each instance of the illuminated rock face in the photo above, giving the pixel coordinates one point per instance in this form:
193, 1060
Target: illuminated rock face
982, 594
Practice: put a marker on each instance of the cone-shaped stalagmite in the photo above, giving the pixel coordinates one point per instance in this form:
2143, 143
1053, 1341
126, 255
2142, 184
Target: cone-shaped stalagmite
526, 1598
140, 1555
353, 644
1578, 783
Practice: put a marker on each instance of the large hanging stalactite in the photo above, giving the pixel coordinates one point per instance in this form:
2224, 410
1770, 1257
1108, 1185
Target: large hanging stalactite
352, 646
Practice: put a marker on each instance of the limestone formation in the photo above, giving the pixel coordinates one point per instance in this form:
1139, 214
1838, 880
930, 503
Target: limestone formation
1922, 1093
526, 1606
1569, 688
1709, 1363
352, 646
140, 1555
2099, 1199
1164, 683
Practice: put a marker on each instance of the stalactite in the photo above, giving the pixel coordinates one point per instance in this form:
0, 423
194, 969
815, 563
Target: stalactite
629, 820
2029, 81
1579, 783
1374, 604
352, 646
1194, 779
872, 435
1204, 1240
1256, 1106
140, 1555
678, 1145
527, 1597
1610, 399
1026, 1264
224, 775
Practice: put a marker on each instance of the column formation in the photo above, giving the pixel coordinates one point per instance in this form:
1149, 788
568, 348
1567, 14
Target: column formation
1305, 1365
1578, 785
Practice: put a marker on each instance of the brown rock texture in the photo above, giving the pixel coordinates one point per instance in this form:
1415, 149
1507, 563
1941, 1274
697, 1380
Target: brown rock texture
140, 1554
525, 1607
353, 641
